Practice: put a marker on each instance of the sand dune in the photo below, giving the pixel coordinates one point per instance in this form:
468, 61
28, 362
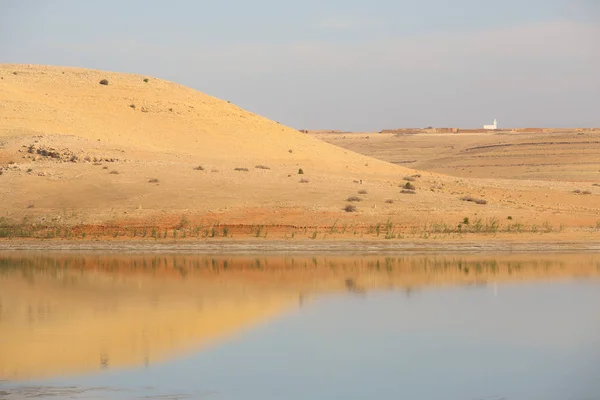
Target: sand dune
75, 153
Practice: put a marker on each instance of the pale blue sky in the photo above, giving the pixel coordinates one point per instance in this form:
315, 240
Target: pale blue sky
339, 64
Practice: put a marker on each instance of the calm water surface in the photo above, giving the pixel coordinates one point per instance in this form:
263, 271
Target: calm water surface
190, 327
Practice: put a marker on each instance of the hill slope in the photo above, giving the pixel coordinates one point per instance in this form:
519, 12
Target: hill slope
74, 152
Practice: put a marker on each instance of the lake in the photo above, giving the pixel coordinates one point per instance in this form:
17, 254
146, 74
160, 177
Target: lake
404, 326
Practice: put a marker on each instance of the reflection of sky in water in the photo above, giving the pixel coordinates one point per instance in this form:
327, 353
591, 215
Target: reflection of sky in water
521, 341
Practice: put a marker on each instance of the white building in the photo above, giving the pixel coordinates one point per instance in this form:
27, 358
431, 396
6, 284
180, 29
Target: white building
492, 127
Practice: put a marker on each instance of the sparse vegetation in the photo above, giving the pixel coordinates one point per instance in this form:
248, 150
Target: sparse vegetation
241, 169
389, 201
466, 220
473, 200
153, 180
104, 82
132, 106
354, 199
509, 218
409, 179
114, 172
261, 167
199, 168
303, 180
290, 151
29, 170
105, 167
409, 186
596, 184
362, 191
300, 171
350, 208
408, 191
146, 80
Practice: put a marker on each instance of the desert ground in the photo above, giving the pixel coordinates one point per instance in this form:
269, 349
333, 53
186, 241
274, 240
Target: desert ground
146, 159
559, 155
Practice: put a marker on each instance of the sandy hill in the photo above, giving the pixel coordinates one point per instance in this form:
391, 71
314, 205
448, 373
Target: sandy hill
75, 152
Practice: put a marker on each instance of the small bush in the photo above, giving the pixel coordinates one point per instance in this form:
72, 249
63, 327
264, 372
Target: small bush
146, 80
389, 201
466, 220
586, 192
29, 170
473, 200
114, 172
241, 169
104, 82
362, 192
153, 180
350, 208
261, 167
303, 180
290, 151
409, 178
353, 199
105, 167
300, 171
509, 218
132, 106
409, 186
595, 184
199, 168
408, 191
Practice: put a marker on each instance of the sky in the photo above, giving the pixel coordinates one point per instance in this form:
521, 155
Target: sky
338, 64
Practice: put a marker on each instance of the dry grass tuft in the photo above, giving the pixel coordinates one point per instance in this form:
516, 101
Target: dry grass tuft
153, 180
362, 192
261, 167
241, 169
408, 191
353, 199
473, 200
389, 201
199, 168
114, 172
104, 82
350, 208
409, 186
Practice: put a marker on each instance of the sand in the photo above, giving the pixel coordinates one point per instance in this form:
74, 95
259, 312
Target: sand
118, 161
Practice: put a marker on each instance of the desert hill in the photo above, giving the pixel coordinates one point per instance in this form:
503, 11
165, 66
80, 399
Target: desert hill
142, 154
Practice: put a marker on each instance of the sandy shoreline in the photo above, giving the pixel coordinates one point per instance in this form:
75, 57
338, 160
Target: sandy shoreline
277, 247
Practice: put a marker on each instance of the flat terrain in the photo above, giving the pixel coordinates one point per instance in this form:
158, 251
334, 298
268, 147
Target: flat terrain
146, 158
571, 155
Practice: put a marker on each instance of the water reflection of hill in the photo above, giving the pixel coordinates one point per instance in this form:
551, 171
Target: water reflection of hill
73, 313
